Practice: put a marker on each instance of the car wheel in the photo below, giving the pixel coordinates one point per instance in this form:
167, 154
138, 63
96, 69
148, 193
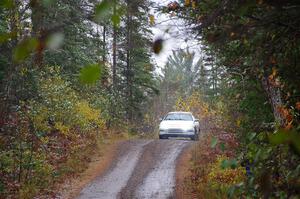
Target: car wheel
161, 137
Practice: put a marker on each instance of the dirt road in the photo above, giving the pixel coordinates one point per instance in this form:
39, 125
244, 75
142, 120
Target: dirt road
142, 169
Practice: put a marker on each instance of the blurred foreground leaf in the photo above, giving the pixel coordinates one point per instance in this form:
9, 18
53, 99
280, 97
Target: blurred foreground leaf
24, 49
7, 4
55, 40
4, 37
233, 164
214, 142
279, 137
225, 164
251, 136
116, 19
283, 136
90, 74
102, 9
222, 146
157, 45
229, 164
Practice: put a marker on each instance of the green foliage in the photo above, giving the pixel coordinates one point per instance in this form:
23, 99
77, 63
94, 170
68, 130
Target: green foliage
223, 173
270, 167
7, 4
90, 74
179, 80
214, 142
51, 128
102, 9
135, 83
64, 114
283, 136
116, 19
4, 37
24, 49
52, 117
256, 84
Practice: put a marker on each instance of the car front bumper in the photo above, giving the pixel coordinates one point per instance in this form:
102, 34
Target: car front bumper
176, 133
167, 135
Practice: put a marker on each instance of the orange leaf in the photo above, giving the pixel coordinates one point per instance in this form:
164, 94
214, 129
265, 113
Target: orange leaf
273, 75
289, 125
298, 106
283, 111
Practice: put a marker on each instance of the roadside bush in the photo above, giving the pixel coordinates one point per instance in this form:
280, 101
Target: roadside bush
214, 169
222, 175
265, 156
50, 137
60, 107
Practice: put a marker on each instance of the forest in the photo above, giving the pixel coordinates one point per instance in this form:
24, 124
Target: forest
75, 75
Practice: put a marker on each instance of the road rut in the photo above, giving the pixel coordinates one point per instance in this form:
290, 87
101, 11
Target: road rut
143, 169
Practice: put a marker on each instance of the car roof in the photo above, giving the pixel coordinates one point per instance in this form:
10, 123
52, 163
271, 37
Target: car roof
180, 112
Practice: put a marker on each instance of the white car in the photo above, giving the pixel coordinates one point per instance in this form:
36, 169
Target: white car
179, 124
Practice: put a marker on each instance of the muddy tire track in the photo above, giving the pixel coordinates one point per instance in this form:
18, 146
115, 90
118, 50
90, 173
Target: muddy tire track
143, 169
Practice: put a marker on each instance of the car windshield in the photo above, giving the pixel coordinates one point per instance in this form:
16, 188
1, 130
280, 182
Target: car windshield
179, 116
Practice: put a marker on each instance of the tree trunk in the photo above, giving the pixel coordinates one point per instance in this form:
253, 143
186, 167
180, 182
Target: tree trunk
274, 96
38, 30
8, 96
114, 54
128, 63
104, 44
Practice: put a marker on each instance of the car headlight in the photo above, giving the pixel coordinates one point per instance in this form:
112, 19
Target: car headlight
162, 130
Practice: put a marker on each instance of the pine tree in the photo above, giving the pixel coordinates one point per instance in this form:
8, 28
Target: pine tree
135, 68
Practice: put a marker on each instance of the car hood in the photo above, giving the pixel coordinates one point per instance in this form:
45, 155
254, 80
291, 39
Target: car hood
167, 124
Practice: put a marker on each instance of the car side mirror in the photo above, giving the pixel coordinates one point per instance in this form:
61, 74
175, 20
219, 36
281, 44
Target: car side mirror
160, 119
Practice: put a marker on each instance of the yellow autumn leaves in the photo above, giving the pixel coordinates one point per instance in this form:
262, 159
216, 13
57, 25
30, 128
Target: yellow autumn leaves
224, 176
190, 3
151, 20
60, 108
194, 103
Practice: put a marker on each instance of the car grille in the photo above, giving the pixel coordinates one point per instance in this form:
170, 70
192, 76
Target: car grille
175, 131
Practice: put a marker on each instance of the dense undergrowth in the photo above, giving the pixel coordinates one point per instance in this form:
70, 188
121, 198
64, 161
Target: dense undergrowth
70, 83
244, 88
227, 163
50, 138
250, 82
